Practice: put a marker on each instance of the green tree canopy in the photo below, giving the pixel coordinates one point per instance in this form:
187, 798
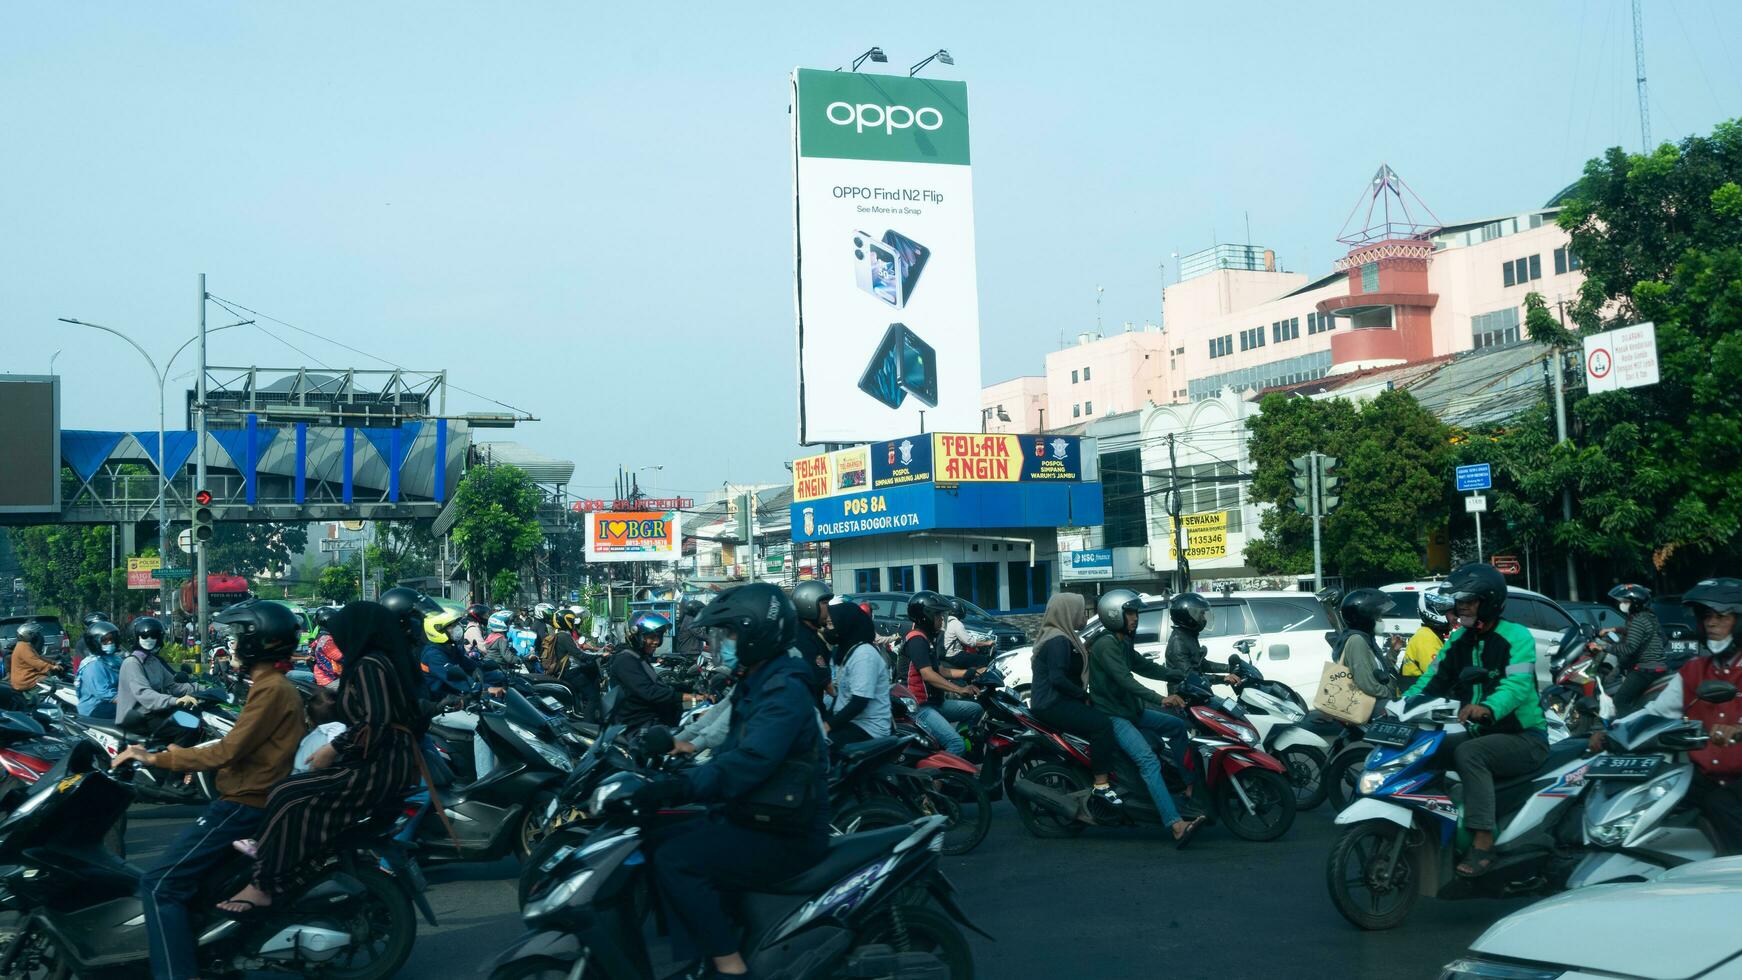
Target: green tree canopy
403, 549
497, 528
337, 584
250, 549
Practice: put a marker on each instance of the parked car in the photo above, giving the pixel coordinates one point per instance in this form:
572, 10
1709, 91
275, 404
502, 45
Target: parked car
1596, 931
1288, 634
1596, 615
1544, 617
889, 610
54, 636
1678, 624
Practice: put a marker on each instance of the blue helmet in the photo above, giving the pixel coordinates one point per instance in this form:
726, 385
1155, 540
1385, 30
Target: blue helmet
648, 624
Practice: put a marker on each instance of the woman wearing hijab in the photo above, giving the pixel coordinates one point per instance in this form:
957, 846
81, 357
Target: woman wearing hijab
860, 706
1059, 693
355, 774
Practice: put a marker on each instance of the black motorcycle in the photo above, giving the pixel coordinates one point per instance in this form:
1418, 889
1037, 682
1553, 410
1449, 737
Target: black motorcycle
876, 906
81, 913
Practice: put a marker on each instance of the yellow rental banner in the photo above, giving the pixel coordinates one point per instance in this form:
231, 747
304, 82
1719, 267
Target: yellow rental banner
1206, 536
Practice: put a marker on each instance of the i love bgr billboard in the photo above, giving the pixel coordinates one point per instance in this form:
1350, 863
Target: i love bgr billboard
888, 307
654, 535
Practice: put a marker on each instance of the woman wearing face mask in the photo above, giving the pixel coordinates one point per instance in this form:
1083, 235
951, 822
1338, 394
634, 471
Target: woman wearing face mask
1642, 655
149, 692
99, 676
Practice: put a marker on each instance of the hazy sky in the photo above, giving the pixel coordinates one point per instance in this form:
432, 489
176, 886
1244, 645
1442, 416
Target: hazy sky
585, 209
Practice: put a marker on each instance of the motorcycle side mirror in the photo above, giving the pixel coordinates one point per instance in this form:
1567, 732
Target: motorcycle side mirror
1715, 692
655, 741
1234, 660
1589, 631
1278, 651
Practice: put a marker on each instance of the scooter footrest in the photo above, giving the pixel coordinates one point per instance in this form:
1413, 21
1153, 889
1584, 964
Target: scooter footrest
878, 962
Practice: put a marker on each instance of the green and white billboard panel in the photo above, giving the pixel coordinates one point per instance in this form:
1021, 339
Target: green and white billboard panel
888, 307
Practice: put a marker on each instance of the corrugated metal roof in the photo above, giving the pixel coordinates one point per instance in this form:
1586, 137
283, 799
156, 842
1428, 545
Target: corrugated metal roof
538, 466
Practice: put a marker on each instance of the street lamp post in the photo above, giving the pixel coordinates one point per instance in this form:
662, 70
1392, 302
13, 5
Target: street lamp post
162, 469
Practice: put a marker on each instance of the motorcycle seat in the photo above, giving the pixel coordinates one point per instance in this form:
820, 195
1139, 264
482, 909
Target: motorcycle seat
845, 854
855, 751
1559, 754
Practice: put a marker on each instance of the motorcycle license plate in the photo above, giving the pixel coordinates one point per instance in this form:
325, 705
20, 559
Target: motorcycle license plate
1390, 733
1623, 767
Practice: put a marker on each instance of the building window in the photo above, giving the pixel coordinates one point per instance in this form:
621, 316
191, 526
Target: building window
901, 578
1535, 267
1222, 346
1030, 587
1370, 277
928, 577
1073, 377
1283, 330
1320, 323
1076, 411
1494, 329
1506, 274
977, 582
1520, 271
868, 580
1088, 408
1122, 492
1210, 487
1565, 261
1085, 374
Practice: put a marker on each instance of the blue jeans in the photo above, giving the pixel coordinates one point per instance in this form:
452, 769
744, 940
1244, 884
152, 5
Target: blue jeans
940, 718
167, 889
1134, 744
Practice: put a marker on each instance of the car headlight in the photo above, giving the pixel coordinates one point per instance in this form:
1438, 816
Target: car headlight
560, 895
554, 756
1476, 968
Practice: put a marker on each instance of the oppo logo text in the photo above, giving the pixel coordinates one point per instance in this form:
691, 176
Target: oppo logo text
888, 118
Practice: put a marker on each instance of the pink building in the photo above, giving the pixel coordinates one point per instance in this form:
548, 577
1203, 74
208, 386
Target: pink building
1100, 376
1017, 405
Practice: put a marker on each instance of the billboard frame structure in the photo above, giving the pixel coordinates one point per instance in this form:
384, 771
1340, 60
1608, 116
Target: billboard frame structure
52, 470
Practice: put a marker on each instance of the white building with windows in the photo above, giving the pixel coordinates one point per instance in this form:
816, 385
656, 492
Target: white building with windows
1204, 442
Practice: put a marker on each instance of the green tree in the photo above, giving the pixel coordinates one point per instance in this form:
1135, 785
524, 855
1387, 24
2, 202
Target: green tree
66, 567
1394, 458
497, 528
1655, 472
505, 586
250, 549
403, 549
338, 584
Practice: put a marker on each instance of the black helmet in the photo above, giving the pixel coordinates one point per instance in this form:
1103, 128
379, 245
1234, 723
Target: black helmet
692, 607
147, 628
262, 630
30, 632
809, 598
958, 608
403, 602
1435, 609
478, 612
1189, 611
1722, 595
1111, 608
96, 631
761, 615
324, 617
1480, 581
95, 617
1363, 608
924, 607
565, 619
1638, 595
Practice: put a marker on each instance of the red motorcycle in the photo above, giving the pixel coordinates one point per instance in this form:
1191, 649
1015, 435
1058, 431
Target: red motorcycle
1248, 789
948, 785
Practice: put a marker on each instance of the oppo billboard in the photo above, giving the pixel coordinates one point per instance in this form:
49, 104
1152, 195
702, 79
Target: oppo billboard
888, 312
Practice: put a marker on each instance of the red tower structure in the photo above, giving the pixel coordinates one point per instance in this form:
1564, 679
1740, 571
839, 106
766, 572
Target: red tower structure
1389, 309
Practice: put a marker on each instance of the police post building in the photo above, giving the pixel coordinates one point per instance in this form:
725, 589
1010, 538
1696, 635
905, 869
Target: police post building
966, 514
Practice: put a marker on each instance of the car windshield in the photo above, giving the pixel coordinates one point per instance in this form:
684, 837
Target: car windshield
1405, 603
974, 610
1284, 615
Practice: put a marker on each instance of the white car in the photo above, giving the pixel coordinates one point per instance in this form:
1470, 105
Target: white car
1680, 925
1287, 634
1534, 611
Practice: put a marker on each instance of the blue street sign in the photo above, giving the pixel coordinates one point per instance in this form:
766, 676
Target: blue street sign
1476, 476
574, 595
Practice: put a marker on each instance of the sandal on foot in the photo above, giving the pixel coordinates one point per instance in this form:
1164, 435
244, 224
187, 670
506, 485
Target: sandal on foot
1185, 837
1476, 863
250, 912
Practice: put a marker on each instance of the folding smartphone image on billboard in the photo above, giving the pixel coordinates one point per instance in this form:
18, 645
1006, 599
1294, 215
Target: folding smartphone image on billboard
902, 364
888, 268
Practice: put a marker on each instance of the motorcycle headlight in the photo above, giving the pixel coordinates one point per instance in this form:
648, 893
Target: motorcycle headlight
560, 895
550, 754
1369, 783
1247, 733
1614, 831
1477, 968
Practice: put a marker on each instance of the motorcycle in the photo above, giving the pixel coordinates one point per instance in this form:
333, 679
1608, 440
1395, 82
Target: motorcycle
877, 905
1248, 789
1638, 820
157, 785
1402, 832
1279, 713
1572, 706
81, 913
943, 783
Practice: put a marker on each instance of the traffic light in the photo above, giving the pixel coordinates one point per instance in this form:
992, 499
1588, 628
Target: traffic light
1303, 482
1327, 483
202, 523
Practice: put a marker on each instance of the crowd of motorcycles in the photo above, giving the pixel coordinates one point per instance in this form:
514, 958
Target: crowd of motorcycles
528, 774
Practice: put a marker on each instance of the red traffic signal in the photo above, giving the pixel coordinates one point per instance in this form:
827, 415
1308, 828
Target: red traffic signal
202, 497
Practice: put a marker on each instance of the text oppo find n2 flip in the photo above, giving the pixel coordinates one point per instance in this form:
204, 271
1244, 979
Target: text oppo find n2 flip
902, 364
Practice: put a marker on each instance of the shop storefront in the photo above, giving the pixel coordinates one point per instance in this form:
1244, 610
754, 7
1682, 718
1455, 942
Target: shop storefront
966, 514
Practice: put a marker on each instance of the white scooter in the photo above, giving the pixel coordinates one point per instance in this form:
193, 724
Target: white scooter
1277, 711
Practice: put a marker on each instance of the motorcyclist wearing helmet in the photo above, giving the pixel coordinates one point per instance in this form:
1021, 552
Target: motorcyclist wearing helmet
1642, 655
27, 666
149, 691
964, 647
774, 750
815, 640
642, 698
99, 674
859, 706
324, 654
1190, 615
477, 624
498, 649
1357, 649
564, 659
689, 640
1433, 608
448, 671
1505, 736
409, 606
540, 623
250, 760
1715, 604
930, 680
1114, 691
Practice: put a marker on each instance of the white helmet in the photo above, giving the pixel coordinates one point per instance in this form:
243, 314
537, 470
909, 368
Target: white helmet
543, 610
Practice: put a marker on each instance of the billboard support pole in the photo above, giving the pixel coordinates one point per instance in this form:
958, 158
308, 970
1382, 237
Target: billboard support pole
201, 602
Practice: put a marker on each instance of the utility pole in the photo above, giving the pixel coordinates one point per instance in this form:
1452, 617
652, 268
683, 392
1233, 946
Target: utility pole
1639, 71
1557, 375
200, 470
1182, 567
